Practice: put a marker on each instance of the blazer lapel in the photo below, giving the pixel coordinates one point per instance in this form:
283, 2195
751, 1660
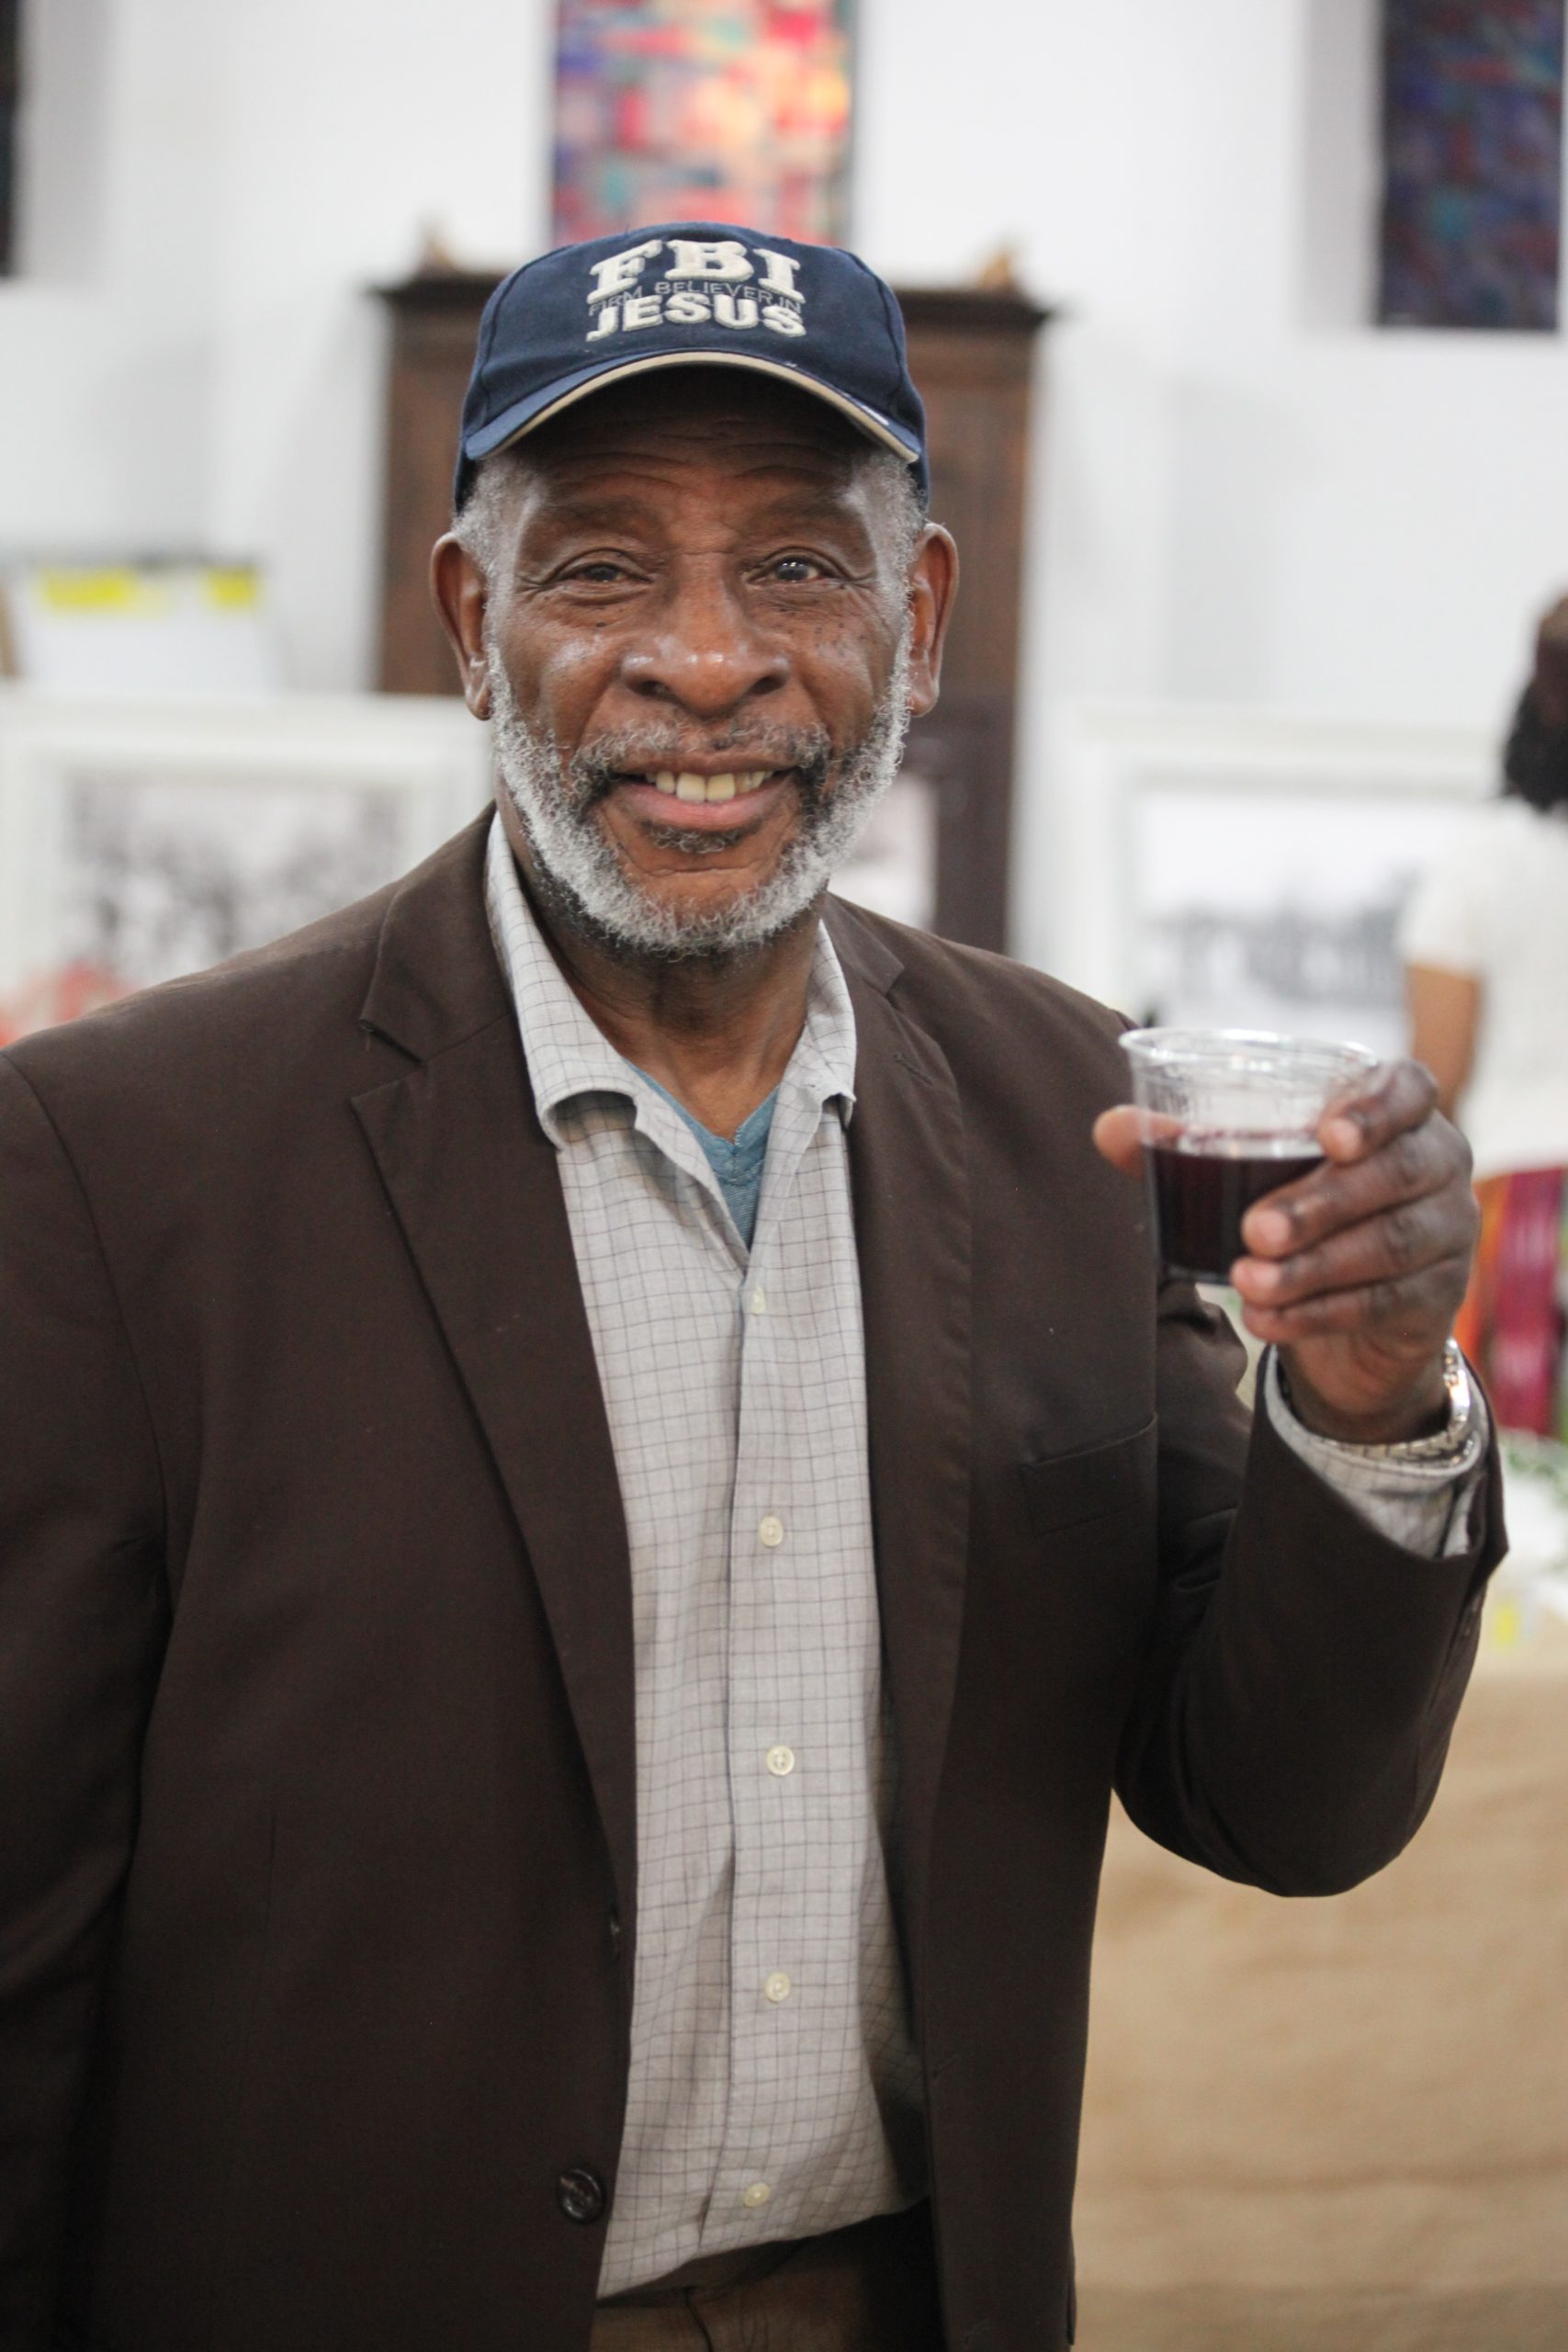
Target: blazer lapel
909, 1173
472, 1178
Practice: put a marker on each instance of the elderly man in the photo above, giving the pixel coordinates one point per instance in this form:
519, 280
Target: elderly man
599, 1484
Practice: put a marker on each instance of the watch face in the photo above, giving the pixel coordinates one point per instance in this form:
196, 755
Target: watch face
1456, 1373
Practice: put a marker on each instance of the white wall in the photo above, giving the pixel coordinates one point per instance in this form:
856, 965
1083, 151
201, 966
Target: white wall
1242, 494
204, 368
1236, 500
352, 127
105, 348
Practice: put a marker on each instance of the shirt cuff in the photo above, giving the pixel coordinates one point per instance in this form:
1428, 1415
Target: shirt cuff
1418, 1497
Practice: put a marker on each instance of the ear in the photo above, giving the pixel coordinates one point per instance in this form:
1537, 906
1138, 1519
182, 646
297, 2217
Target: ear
460, 593
933, 583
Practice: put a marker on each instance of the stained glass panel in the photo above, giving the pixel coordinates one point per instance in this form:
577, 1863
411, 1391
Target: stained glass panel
10, 43
701, 109
1473, 163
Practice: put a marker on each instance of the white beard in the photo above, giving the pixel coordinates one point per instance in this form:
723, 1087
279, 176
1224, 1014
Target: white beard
583, 877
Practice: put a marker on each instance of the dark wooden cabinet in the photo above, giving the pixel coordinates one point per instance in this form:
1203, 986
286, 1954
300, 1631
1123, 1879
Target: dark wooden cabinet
435, 323
972, 355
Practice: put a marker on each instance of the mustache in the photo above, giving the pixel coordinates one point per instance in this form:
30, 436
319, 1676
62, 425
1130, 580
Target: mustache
594, 771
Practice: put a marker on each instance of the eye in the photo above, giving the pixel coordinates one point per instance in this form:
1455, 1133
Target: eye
600, 573
795, 571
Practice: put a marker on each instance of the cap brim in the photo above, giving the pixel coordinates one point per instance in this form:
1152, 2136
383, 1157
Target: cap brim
525, 416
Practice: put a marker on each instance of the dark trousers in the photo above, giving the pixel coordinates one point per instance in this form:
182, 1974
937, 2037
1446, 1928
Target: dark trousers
869, 2289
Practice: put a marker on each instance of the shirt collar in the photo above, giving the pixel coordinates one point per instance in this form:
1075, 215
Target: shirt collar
568, 1055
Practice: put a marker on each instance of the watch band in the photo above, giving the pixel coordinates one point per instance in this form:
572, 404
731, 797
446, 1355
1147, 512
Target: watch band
1452, 1440
1443, 1446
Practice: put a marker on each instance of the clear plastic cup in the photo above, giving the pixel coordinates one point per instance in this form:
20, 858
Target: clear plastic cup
1227, 1115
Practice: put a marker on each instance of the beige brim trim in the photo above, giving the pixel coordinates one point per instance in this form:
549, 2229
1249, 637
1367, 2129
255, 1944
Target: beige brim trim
861, 418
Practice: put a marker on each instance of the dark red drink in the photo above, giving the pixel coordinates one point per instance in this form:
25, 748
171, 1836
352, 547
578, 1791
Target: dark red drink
1203, 1185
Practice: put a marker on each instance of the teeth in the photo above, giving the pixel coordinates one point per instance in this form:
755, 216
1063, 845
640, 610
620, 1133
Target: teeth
687, 786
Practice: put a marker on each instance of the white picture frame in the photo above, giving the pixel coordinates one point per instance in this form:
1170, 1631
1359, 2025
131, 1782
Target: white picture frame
1293, 838
153, 837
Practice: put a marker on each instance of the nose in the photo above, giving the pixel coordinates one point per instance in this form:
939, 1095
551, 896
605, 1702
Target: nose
703, 651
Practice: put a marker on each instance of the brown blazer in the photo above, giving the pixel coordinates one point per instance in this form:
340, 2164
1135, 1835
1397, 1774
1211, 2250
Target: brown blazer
318, 1853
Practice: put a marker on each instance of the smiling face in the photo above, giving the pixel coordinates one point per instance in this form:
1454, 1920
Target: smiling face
699, 611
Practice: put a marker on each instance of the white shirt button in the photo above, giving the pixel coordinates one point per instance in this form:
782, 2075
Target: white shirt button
777, 1988
758, 2193
781, 1760
759, 1302
771, 1531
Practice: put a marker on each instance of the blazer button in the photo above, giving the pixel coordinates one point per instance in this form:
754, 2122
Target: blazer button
579, 2193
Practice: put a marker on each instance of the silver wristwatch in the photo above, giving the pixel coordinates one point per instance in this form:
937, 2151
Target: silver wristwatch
1454, 1436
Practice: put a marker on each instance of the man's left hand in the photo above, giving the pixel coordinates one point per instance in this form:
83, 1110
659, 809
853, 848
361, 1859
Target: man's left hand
1356, 1272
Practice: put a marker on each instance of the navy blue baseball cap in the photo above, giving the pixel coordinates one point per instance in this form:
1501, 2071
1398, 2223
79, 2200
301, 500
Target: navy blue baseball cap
690, 293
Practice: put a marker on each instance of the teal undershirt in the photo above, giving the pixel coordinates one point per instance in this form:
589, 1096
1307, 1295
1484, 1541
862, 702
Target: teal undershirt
738, 1166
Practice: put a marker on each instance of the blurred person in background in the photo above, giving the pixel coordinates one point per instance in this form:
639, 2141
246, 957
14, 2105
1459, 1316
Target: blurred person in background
1485, 944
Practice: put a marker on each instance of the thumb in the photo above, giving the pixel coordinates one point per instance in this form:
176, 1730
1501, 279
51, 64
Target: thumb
1117, 1138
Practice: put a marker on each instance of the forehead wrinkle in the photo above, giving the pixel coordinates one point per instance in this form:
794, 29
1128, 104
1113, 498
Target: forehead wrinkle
767, 454
568, 495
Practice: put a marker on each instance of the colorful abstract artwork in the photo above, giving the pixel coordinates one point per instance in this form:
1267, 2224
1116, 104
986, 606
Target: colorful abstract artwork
703, 109
1472, 164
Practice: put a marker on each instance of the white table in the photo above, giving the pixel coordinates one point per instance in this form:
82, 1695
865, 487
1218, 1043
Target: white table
1344, 2122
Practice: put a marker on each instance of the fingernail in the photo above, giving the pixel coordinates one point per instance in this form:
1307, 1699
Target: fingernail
1343, 1134
1267, 1230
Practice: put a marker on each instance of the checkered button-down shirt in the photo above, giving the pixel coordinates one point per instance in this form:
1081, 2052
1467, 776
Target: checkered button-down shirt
774, 2089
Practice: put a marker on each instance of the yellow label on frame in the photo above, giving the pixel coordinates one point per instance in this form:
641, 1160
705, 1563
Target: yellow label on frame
232, 588
107, 588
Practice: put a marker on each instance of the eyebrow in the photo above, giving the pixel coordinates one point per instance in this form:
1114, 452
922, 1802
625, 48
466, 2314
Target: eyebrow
589, 513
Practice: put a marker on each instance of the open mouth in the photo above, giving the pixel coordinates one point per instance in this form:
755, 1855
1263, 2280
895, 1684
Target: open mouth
684, 784
720, 807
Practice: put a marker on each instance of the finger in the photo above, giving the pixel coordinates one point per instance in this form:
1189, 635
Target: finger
1397, 1096
1117, 1138
1417, 1162
1399, 1241
1411, 1313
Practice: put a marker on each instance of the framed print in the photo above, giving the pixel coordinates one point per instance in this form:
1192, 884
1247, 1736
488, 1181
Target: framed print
1238, 869
141, 841
703, 110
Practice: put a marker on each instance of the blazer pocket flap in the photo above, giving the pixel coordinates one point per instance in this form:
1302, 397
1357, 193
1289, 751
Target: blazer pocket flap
1065, 1489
